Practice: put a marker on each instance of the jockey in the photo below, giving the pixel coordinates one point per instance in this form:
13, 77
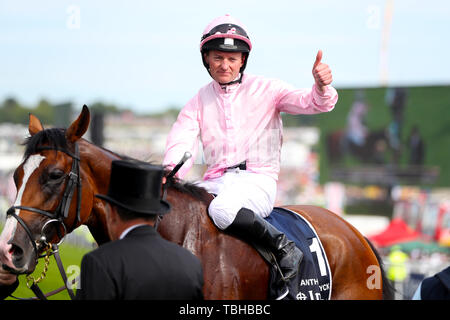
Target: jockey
237, 118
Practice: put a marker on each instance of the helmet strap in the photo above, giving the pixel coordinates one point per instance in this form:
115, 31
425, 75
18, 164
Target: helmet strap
239, 80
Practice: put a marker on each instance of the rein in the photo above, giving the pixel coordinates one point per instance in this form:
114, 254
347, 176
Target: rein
58, 216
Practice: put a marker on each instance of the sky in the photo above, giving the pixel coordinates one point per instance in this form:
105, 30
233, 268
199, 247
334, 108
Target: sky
144, 55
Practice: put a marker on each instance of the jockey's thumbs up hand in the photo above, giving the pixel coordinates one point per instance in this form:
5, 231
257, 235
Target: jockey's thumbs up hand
318, 58
321, 72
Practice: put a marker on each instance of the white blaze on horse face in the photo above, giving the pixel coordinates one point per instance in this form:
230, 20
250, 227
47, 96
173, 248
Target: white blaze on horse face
29, 167
32, 164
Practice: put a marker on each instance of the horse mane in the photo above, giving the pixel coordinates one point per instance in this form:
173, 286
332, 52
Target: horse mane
189, 188
55, 138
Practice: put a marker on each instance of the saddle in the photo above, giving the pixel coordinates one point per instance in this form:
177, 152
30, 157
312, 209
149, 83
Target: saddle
313, 280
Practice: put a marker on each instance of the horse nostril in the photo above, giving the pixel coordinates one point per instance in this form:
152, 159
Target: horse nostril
16, 252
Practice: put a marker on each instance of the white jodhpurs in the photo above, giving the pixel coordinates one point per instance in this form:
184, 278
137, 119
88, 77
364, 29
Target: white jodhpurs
238, 189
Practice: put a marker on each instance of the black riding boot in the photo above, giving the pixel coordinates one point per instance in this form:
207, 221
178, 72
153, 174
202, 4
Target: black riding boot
248, 225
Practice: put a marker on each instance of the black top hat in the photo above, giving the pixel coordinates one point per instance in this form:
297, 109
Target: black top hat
136, 186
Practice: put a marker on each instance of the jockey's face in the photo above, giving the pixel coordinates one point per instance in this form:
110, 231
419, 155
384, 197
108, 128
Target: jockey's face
224, 66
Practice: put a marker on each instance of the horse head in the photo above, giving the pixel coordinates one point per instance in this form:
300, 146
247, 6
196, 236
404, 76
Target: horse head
48, 200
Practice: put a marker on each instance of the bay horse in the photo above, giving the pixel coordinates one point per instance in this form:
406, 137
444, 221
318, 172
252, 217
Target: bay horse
232, 268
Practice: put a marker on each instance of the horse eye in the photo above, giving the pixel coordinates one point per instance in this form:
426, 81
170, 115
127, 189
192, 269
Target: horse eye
55, 175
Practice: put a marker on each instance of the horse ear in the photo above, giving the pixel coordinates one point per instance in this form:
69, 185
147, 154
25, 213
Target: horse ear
35, 125
79, 127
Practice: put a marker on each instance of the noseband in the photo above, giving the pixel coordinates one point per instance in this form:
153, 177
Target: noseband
62, 211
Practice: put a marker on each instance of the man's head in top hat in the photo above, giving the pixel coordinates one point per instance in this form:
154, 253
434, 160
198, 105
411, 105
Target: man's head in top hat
134, 195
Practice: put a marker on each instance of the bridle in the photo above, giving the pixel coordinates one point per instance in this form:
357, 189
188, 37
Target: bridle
58, 216
62, 211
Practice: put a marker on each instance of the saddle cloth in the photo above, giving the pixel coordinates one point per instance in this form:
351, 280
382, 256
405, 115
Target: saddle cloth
313, 281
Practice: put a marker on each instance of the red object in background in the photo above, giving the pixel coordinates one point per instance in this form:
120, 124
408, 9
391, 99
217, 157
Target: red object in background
442, 231
396, 232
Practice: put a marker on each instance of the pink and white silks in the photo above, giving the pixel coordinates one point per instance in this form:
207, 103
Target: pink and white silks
235, 123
